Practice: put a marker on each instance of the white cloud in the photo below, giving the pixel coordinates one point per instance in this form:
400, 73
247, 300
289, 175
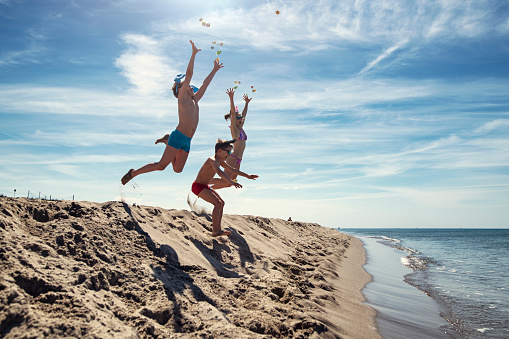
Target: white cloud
503, 27
58, 160
445, 197
80, 138
30, 55
382, 56
323, 22
145, 65
69, 170
71, 101
492, 125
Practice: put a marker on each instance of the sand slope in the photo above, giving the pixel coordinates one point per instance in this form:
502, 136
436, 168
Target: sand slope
91, 270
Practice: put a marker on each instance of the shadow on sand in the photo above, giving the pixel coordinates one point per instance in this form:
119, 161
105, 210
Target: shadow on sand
221, 246
174, 276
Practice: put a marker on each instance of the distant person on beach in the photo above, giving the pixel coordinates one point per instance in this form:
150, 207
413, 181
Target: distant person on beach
205, 177
236, 128
179, 141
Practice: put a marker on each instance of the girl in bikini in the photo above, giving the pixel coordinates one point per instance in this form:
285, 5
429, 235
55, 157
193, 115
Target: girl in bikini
236, 128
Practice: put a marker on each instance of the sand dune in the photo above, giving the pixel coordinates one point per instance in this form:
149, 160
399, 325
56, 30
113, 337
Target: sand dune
91, 270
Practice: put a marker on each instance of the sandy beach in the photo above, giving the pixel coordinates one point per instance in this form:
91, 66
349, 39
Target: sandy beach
112, 270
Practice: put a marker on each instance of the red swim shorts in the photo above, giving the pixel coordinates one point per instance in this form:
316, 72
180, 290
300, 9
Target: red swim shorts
196, 188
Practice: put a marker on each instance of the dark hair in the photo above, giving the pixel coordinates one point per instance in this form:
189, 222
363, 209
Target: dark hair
229, 115
222, 144
175, 90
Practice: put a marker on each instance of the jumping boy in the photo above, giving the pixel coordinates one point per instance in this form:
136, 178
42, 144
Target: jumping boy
179, 142
205, 177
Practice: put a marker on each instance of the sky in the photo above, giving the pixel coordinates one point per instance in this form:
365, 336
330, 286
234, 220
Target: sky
372, 113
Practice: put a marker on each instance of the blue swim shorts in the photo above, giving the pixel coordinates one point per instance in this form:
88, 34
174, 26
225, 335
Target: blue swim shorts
179, 140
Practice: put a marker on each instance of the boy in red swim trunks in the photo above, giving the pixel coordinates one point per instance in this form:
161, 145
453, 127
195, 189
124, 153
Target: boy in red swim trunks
206, 176
179, 142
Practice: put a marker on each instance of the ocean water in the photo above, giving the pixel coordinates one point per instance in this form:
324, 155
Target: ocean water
464, 274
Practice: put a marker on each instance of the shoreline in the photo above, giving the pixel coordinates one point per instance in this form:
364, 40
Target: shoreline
462, 272
120, 271
403, 309
356, 278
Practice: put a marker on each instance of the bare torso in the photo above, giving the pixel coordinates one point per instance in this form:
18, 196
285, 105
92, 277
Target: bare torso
238, 146
188, 111
207, 171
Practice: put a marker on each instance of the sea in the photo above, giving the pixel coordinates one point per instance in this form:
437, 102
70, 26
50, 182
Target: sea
438, 283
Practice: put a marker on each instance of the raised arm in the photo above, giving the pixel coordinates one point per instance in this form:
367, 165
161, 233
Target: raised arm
190, 69
208, 79
244, 111
233, 116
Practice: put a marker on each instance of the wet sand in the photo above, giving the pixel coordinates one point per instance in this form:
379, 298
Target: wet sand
403, 310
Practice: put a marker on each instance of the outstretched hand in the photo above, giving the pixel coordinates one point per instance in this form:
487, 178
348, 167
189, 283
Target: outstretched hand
252, 176
230, 92
217, 65
195, 50
246, 99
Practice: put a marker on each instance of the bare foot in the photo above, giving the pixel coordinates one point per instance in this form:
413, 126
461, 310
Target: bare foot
126, 178
220, 233
164, 139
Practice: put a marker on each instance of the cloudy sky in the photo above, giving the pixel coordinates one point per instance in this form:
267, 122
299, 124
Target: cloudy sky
378, 113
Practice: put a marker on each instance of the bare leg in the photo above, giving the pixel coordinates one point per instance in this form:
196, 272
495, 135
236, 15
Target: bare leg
217, 213
233, 163
167, 157
180, 160
218, 183
164, 139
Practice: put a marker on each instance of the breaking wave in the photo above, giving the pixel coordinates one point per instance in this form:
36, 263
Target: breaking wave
414, 260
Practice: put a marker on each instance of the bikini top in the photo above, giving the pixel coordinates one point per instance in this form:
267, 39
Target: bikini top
242, 134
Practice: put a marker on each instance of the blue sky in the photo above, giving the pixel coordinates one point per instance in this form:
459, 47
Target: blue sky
366, 113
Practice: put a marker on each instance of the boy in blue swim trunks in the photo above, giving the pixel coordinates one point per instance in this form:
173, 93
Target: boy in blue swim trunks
179, 142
